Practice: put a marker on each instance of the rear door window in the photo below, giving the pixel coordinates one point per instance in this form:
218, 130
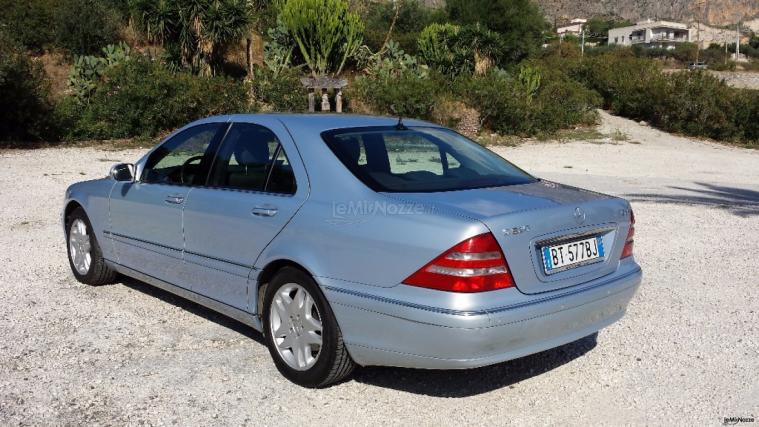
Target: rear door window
251, 158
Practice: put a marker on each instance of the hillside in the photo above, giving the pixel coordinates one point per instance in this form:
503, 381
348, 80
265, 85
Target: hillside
715, 12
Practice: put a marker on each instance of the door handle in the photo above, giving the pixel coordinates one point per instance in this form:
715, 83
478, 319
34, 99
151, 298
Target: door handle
265, 210
175, 199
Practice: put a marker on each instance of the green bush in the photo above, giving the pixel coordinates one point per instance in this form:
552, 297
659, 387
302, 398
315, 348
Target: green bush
280, 92
413, 16
440, 47
24, 90
691, 102
535, 101
29, 22
143, 98
626, 83
83, 27
406, 94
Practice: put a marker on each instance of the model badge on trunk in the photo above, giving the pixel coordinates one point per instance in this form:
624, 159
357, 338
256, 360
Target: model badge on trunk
516, 230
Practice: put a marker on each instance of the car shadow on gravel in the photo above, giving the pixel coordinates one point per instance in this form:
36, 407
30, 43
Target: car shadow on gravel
738, 201
193, 308
441, 383
470, 382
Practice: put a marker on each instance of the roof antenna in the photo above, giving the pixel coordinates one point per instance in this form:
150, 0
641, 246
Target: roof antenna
399, 125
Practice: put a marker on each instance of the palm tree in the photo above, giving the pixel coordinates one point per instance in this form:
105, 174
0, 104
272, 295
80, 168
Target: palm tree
200, 31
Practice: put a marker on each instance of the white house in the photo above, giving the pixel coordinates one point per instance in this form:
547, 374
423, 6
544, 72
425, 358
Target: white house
574, 28
651, 33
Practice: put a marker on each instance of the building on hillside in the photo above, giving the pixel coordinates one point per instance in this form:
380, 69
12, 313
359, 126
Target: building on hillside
574, 28
650, 33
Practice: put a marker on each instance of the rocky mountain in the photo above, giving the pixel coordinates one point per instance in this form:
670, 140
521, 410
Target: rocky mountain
714, 12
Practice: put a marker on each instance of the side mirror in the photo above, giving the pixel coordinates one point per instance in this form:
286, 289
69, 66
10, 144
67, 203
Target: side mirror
123, 172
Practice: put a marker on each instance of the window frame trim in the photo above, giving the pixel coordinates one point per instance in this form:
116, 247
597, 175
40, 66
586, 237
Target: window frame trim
264, 191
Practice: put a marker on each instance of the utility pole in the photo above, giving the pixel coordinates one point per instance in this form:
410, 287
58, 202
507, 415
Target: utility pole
737, 39
582, 45
699, 13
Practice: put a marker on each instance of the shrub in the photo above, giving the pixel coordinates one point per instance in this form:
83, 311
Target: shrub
87, 70
327, 33
440, 47
534, 101
626, 83
24, 106
691, 102
142, 98
83, 27
280, 91
29, 22
406, 94
696, 103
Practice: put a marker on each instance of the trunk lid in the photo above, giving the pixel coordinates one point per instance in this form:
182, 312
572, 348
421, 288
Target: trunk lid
524, 218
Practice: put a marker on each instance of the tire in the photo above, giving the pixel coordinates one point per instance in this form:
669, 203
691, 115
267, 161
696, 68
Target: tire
82, 239
327, 365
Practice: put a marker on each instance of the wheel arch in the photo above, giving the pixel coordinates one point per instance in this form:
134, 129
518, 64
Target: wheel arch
268, 272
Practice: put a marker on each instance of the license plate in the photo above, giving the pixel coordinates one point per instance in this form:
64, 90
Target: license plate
572, 254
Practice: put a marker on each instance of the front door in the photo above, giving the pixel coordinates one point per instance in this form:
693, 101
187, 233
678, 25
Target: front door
146, 215
252, 192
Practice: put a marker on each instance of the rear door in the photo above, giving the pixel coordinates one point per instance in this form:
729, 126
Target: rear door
251, 193
146, 215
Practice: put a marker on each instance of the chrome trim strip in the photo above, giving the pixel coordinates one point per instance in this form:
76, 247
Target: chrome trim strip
235, 313
481, 312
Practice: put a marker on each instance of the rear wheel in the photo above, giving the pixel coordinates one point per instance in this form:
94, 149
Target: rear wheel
85, 258
302, 333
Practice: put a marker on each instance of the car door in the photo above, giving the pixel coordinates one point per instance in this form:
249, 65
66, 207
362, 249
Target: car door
252, 193
146, 215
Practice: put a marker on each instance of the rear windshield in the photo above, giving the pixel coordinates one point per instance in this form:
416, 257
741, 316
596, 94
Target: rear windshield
420, 159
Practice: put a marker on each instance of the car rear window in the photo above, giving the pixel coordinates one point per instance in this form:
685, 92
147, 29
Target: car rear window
420, 159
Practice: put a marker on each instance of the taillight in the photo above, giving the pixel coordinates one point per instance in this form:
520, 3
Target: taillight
628, 250
474, 265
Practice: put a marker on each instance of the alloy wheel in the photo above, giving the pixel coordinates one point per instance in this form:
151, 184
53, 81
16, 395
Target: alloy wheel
296, 326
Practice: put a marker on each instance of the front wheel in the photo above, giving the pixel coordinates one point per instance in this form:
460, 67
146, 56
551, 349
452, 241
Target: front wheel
301, 331
85, 257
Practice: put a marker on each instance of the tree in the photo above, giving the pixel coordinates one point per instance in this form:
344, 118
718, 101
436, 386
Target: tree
198, 32
326, 32
28, 22
519, 23
83, 27
25, 109
597, 29
412, 17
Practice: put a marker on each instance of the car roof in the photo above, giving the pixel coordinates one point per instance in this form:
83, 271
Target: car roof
320, 122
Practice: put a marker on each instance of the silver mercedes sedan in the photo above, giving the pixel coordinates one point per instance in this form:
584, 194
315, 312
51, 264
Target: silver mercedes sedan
355, 240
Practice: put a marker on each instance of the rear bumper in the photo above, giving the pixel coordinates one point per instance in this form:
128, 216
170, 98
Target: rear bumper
383, 331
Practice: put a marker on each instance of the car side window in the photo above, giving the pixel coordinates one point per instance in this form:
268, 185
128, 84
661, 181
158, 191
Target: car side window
185, 158
251, 156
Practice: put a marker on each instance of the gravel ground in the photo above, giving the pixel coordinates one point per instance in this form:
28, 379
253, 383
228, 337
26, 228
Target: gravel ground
687, 352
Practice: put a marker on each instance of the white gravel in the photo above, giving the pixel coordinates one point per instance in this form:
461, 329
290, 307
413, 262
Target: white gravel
687, 352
